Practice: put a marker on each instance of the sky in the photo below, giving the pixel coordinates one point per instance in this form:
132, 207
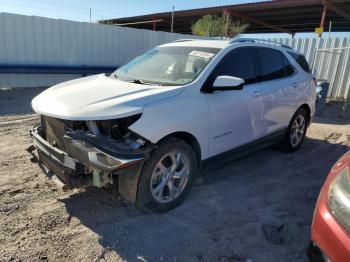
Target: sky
79, 10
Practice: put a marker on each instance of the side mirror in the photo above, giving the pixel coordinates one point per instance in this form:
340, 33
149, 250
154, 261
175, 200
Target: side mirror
223, 83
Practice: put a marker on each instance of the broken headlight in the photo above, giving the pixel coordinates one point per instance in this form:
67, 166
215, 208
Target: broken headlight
117, 132
116, 128
339, 198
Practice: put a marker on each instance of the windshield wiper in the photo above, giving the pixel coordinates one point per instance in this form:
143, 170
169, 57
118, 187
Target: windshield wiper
112, 75
138, 81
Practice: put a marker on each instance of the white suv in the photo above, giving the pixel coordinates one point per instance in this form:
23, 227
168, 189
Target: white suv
149, 125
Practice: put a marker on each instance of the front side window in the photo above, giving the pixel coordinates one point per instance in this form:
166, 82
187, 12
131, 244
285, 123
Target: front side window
238, 63
271, 64
167, 66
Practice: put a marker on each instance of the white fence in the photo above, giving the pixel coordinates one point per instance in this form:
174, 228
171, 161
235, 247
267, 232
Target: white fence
330, 60
30, 40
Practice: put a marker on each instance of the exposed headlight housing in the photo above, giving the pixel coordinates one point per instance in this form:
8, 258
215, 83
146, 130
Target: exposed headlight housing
116, 128
339, 197
117, 132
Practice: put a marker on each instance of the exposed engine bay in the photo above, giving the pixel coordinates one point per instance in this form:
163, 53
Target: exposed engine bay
83, 153
114, 131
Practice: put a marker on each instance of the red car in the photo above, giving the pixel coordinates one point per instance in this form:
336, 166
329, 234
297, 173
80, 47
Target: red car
330, 230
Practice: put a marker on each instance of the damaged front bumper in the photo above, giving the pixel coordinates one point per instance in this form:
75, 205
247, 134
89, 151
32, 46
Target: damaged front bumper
88, 160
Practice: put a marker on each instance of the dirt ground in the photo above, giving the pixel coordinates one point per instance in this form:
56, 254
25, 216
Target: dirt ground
256, 208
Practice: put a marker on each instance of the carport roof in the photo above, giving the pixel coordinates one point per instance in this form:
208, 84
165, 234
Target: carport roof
289, 16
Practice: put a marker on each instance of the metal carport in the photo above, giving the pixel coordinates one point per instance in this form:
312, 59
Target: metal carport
286, 16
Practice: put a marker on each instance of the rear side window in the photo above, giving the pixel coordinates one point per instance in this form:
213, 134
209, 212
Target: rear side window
272, 64
300, 59
239, 63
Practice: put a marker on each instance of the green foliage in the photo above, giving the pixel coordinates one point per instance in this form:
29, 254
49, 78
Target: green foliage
105, 22
218, 26
236, 27
208, 25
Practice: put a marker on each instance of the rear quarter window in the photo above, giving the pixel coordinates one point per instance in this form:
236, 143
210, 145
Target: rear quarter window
300, 59
271, 64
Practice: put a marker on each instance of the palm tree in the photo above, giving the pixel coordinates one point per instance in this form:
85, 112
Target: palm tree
105, 22
208, 25
218, 26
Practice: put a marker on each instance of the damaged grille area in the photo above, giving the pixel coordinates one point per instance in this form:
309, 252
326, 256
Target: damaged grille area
54, 129
112, 136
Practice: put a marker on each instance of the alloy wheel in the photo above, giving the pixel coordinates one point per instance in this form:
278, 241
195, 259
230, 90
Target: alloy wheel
170, 177
298, 130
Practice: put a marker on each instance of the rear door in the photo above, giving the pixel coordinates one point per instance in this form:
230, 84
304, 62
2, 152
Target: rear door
278, 85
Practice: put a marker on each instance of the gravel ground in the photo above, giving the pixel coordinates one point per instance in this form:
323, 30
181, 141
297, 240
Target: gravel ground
256, 208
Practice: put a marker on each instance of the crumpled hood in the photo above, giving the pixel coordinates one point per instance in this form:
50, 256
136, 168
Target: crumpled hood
98, 97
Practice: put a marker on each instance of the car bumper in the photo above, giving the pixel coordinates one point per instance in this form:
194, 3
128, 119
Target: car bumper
82, 164
329, 240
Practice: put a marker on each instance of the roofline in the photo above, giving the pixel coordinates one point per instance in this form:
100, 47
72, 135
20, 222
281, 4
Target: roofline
264, 41
255, 41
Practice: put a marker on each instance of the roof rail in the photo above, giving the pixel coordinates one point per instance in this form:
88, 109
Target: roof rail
183, 40
242, 40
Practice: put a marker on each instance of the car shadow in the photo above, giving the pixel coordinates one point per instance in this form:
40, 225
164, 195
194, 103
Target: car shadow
222, 217
17, 101
334, 113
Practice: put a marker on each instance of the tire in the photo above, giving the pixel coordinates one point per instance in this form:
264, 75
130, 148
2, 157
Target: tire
296, 131
167, 176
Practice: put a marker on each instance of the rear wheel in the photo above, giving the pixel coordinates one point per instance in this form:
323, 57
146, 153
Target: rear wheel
167, 176
296, 131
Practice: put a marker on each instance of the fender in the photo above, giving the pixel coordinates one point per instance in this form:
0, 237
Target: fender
167, 116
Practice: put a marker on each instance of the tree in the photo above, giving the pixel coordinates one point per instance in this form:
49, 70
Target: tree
105, 22
218, 26
235, 28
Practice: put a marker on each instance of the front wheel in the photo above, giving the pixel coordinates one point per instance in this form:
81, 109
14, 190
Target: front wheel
296, 131
167, 176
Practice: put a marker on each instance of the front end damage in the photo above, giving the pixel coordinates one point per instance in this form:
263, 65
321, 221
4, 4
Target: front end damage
90, 153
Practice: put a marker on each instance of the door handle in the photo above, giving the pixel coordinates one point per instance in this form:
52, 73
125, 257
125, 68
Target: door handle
295, 84
257, 93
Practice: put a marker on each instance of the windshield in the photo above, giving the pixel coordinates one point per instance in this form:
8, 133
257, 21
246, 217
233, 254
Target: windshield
176, 65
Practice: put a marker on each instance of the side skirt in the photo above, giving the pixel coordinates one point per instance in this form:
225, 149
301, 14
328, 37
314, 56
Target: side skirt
245, 149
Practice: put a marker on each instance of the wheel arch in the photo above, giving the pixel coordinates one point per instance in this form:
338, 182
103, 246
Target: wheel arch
190, 139
307, 108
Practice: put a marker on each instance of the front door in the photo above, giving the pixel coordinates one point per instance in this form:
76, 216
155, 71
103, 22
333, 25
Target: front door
235, 115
